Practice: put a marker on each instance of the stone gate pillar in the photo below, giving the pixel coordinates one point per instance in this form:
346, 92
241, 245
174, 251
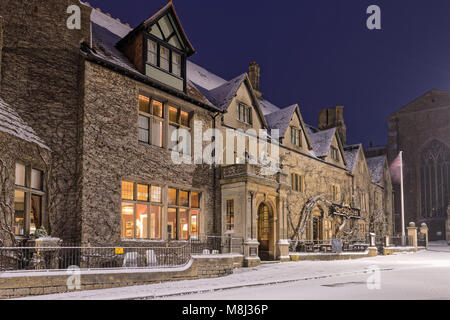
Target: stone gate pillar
424, 232
412, 235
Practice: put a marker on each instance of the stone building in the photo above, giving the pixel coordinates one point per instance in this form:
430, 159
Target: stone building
116, 106
421, 129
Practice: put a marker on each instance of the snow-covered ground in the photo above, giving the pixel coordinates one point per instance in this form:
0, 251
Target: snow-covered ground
423, 275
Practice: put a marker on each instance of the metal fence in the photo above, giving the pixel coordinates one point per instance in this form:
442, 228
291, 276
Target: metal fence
217, 244
166, 256
331, 245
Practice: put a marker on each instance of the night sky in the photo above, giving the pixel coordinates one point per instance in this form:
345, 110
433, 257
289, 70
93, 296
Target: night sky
319, 53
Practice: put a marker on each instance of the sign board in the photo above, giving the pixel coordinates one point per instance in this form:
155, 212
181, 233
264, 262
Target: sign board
336, 246
119, 250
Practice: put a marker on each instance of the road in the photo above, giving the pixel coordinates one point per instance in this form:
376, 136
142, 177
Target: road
422, 275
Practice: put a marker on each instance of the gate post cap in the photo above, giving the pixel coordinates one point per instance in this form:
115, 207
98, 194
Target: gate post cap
412, 224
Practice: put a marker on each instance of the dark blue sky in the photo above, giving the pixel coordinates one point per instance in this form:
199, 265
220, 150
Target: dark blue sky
319, 53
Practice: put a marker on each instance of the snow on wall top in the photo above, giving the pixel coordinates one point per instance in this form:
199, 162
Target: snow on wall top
280, 119
107, 22
351, 155
321, 141
376, 167
12, 123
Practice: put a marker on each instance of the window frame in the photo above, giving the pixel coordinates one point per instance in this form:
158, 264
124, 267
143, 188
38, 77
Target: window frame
151, 119
334, 153
29, 192
178, 125
149, 203
189, 208
297, 182
230, 215
296, 137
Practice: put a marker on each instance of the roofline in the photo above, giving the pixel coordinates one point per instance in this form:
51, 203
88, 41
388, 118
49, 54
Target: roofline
144, 79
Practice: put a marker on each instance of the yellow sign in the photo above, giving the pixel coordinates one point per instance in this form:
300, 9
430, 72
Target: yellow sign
119, 250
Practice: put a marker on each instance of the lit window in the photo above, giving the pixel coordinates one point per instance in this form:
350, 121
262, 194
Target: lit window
151, 116
28, 196
141, 218
183, 218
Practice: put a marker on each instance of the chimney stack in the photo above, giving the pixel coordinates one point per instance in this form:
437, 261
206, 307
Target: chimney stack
334, 118
254, 75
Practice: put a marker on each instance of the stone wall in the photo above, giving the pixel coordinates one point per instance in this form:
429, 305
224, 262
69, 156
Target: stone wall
41, 69
21, 285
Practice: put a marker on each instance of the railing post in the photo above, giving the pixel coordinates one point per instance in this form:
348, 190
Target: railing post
412, 235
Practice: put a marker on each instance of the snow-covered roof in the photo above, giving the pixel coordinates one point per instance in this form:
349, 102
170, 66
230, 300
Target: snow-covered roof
268, 107
351, 155
112, 25
321, 141
376, 167
221, 96
202, 77
280, 119
12, 123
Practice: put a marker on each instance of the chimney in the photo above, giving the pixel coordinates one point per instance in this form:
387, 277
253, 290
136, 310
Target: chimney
254, 75
334, 118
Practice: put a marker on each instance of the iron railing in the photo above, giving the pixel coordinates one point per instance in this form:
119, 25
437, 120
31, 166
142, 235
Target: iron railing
312, 246
165, 255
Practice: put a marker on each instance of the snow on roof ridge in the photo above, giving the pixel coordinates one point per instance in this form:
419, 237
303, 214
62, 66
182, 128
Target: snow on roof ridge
202, 77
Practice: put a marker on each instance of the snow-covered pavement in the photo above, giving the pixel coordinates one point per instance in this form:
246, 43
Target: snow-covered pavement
423, 275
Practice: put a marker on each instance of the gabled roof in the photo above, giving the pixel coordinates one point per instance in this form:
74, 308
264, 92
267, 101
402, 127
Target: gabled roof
376, 167
281, 119
12, 123
351, 155
167, 9
321, 141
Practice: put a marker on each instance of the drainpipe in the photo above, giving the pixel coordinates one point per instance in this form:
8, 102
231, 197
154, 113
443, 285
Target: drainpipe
214, 179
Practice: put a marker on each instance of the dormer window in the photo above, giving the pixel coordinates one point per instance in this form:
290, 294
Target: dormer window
244, 113
159, 48
296, 137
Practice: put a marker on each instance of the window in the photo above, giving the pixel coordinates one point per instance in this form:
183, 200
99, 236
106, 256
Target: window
141, 211
152, 52
334, 154
244, 113
183, 214
151, 117
164, 58
28, 200
179, 119
297, 182
230, 214
296, 137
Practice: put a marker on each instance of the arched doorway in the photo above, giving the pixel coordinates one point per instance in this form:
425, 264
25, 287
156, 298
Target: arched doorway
317, 224
265, 231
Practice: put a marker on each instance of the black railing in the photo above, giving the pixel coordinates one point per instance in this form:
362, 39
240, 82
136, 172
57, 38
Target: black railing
216, 244
54, 258
332, 245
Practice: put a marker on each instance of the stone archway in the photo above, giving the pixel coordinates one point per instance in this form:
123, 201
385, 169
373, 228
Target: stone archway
265, 232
